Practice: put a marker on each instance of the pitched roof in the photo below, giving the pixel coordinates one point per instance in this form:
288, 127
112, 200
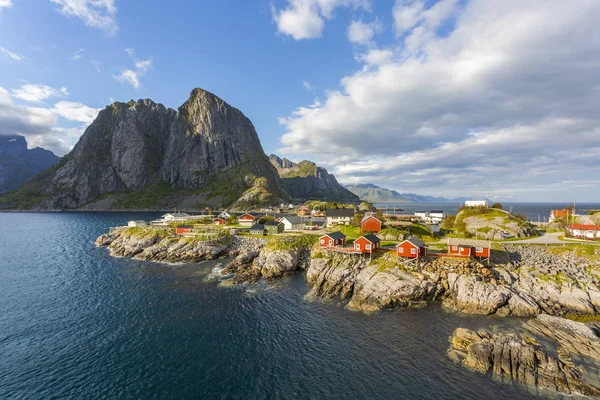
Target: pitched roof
582, 227
561, 213
340, 212
294, 220
272, 223
371, 238
257, 227
335, 235
255, 215
414, 241
436, 212
366, 217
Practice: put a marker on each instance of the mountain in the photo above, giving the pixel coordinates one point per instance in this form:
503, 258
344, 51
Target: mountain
141, 155
375, 194
18, 163
306, 181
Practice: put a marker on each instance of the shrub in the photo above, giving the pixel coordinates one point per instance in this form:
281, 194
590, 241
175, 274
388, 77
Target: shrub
497, 205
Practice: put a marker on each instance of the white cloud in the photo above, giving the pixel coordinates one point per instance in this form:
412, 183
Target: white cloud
38, 92
307, 85
487, 107
21, 119
132, 76
76, 111
5, 3
363, 33
94, 13
96, 64
305, 19
10, 54
77, 55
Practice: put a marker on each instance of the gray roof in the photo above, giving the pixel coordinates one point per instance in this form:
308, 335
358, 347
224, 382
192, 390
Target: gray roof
415, 241
340, 212
294, 220
336, 235
436, 212
372, 238
366, 217
257, 227
272, 223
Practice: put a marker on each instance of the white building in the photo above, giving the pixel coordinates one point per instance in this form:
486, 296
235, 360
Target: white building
476, 203
293, 223
174, 217
422, 215
436, 216
136, 223
584, 231
339, 216
225, 214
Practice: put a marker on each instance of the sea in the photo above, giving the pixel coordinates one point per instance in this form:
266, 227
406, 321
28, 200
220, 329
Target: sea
76, 323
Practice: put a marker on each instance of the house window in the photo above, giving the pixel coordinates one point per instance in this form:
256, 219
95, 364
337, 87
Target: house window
400, 249
453, 247
479, 249
357, 246
368, 247
413, 251
322, 241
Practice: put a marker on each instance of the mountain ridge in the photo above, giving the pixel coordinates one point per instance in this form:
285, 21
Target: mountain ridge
376, 194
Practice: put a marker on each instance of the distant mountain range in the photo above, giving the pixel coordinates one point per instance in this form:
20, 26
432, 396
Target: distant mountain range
18, 163
375, 194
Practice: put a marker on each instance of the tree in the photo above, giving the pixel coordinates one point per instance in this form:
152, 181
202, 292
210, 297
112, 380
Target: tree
233, 220
357, 219
497, 205
266, 218
570, 207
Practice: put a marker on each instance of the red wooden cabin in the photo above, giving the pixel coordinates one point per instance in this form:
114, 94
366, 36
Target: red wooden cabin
370, 224
411, 248
463, 250
367, 244
219, 221
182, 229
332, 239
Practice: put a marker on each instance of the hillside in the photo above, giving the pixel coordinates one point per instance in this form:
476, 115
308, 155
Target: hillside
307, 181
487, 223
18, 163
141, 155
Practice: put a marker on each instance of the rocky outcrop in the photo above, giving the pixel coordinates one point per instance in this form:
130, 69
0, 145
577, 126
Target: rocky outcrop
306, 181
520, 357
490, 223
18, 163
529, 281
143, 155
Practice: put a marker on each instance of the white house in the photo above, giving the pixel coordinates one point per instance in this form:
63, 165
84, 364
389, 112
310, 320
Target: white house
339, 216
225, 214
436, 216
422, 215
293, 223
585, 231
476, 203
178, 216
136, 223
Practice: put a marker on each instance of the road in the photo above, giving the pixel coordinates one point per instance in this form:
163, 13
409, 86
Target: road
548, 238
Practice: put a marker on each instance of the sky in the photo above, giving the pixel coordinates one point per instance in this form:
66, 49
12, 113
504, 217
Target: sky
481, 98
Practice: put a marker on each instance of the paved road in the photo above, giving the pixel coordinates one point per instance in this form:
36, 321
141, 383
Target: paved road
548, 238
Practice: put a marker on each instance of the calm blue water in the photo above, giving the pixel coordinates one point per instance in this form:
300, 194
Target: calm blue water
533, 211
76, 323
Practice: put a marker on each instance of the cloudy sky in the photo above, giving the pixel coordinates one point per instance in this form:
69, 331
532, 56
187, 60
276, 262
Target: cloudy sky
496, 98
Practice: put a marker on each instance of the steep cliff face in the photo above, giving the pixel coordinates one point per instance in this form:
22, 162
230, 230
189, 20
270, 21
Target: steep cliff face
141, 155
306, 181
18, 163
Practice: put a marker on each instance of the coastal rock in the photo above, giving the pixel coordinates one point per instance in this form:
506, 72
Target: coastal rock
520, 359
334, 275
276, 263
469, 294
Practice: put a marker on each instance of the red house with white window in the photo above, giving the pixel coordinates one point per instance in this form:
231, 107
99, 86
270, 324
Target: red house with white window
367, 244
219, 221
370, 224
463, 250
411, 248
469, 248
248, 219
333, 239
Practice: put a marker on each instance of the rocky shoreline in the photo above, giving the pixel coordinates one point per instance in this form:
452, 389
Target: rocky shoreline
519, 281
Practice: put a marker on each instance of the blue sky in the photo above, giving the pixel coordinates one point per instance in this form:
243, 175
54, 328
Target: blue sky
494, 98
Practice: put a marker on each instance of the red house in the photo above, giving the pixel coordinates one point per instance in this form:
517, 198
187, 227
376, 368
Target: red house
411, 248
367, 244
463, 250
219, 221
248, 219
182, 229
332, 239
370, 224
482, 252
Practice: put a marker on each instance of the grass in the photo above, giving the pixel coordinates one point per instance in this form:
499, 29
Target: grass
292, 242
583, 318
351, 232
588, 251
